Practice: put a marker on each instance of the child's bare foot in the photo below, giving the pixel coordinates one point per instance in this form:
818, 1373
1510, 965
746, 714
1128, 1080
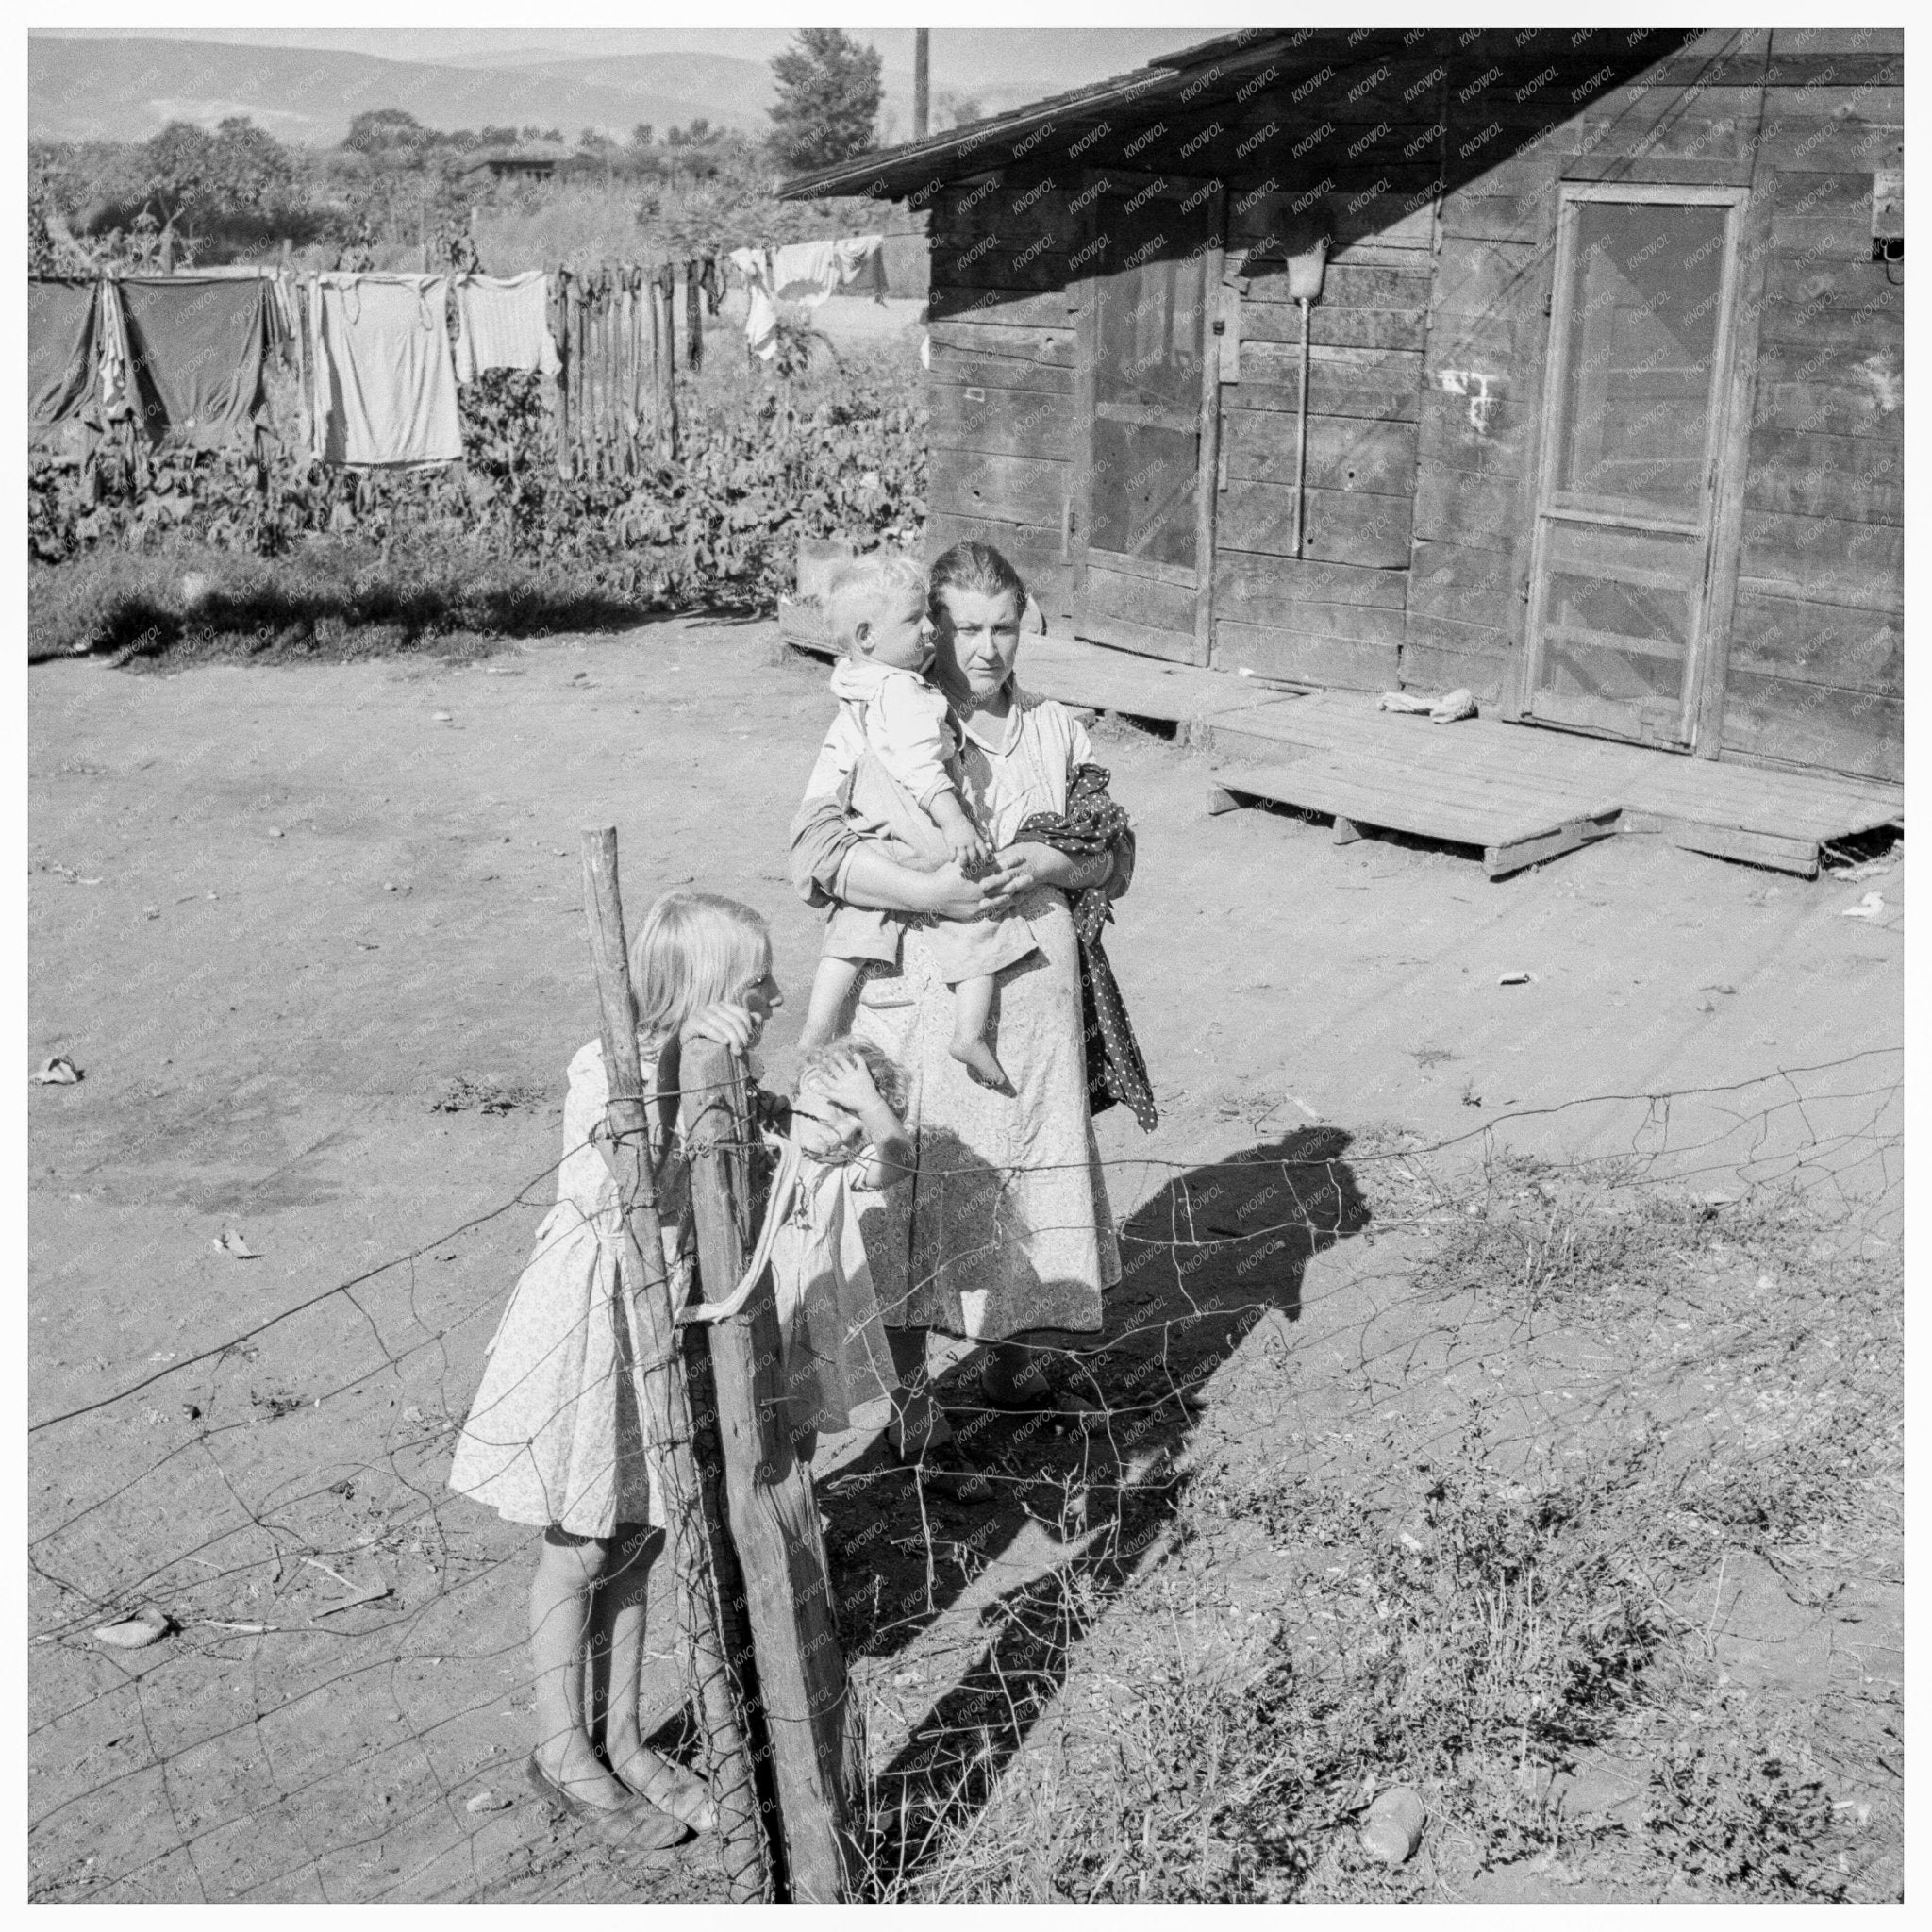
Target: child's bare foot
976, 1057
667, 1785
575, 1773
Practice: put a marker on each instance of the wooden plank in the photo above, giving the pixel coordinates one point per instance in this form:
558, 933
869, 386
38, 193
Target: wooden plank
991, 341
1330, 658
1252, 589
1130, 634
1732, 403
1818, 644
1877, 325
1046, 309
1333, 328
711, 1627
1406, 290
1343, 452
1471, 587
811, 1721
1474, 213
1881, 105
1032, 549
1425, 666
1006, 265
1832, 285
1397, 371
1338, 525
1794, 43
1467, 428
1485, 277
999, 422
1524, 849
1017, 490
993, 370
1874, 407
1207, 498
1147, 601
1825, 559
1860, 479
1330, 393
1859, 733
1478, 512
1727, 841
1798, 140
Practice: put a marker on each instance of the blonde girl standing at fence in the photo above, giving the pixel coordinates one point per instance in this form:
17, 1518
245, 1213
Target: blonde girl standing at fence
554, 1438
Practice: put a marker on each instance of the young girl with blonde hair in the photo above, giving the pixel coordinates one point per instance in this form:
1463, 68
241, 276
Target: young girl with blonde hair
554, 1438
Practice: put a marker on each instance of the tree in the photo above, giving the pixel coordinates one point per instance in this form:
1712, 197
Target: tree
381, 130
252, 171
180, 165
952, 109
642, 135
828, 98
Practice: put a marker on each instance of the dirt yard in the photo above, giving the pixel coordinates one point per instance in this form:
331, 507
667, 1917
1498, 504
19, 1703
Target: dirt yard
314, 938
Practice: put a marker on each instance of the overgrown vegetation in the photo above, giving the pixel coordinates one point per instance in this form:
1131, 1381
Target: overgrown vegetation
296, 558
1481, 1608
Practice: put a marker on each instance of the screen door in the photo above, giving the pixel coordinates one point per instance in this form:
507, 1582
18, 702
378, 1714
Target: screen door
1633, 415
1149, 389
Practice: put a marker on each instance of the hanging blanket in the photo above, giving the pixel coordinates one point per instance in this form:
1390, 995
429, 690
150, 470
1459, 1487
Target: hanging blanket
62, 347
196, 349
1092, 824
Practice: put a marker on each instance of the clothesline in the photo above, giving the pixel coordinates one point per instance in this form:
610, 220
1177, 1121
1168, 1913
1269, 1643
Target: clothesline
185, 356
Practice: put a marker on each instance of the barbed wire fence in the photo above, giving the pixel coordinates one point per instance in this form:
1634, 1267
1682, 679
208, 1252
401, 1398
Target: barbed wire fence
340, 1706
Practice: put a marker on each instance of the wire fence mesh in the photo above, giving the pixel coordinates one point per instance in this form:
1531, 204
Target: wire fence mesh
1635, 1340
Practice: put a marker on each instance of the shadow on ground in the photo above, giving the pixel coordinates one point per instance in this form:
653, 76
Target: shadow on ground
1219, 1249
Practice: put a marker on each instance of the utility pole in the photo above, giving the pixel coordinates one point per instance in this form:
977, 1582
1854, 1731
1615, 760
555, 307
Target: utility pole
922, 38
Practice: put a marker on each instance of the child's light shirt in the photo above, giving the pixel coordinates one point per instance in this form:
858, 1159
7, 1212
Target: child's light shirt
833, 1340
905, 723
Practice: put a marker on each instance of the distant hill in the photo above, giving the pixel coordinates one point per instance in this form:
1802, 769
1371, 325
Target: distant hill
116, 86
128, 89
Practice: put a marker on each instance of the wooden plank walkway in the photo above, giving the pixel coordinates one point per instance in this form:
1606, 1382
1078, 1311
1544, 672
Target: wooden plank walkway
1521, 793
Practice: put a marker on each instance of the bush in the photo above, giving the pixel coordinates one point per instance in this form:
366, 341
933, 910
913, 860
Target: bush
502, 542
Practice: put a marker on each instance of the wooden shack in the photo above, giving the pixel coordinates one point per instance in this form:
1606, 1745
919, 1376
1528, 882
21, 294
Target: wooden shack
1600, 408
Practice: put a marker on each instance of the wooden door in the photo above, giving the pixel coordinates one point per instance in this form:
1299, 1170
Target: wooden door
1140, 525
1628, 476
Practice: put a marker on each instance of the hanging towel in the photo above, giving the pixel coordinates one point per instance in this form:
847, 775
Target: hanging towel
385, 381
504, 323
761, 312
197, 348
808, 272
63, 335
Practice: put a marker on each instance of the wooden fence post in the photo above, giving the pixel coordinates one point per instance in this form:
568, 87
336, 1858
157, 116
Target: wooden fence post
664, 1399
810, 1718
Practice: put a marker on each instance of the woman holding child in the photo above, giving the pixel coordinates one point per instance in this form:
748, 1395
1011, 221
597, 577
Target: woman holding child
1004, 1236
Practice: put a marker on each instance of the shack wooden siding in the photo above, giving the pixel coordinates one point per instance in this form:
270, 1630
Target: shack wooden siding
1435, 167
1817, 664
1003, 429
1365, 176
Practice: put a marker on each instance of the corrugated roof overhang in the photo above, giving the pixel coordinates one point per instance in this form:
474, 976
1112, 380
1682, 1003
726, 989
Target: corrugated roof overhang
1213, 71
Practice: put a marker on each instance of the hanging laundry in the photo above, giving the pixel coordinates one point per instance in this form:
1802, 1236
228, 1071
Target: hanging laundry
504, 323
762, 311
64, 336
694, 316
808, 272
196, 350
385, 383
